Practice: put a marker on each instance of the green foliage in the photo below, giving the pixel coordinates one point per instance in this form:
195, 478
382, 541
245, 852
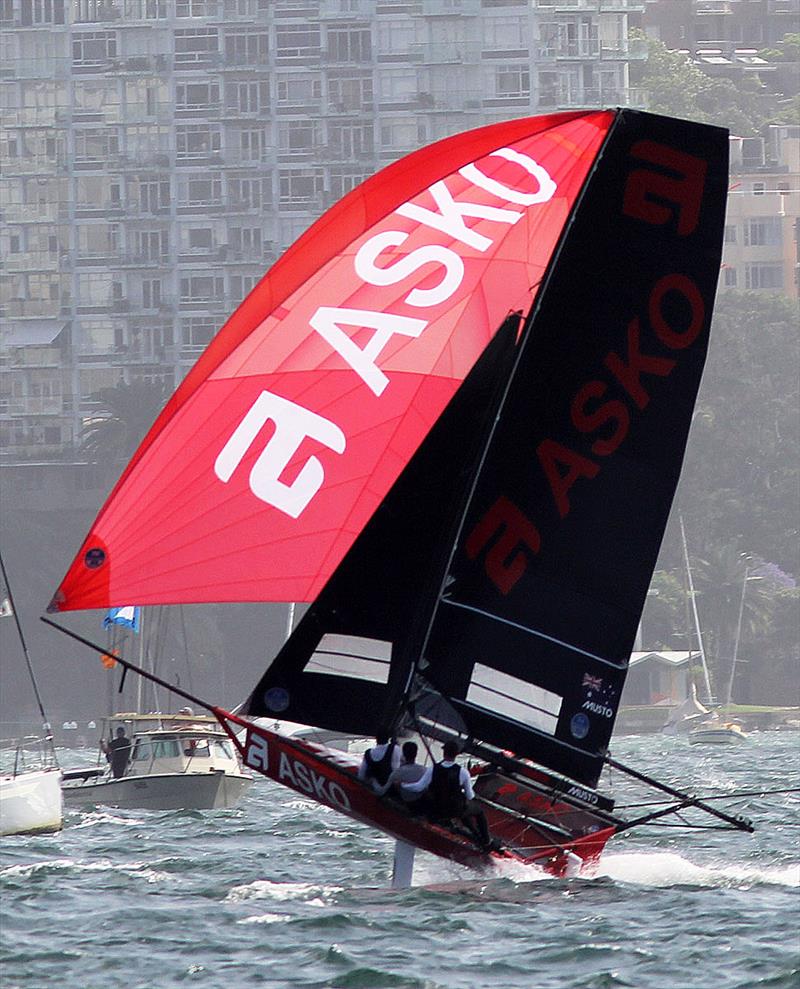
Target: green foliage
678, 88
124, 415
741, 476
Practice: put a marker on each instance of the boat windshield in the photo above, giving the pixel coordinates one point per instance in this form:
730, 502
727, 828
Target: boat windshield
156, 748
222, 750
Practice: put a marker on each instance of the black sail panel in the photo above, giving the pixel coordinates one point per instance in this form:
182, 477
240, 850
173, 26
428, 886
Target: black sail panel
347, 662
535, 627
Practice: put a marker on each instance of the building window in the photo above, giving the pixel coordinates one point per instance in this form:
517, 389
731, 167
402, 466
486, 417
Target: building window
195, 45
206, 288
200, 238
249, 192
246, 48
94, 48
247, 97
351, 140
349, 45
197, 96
512, 81
343, 182
151, 245
197, 140
151, 293
154, 195
196, 8
300, 189
252, 144
298, 89
504, 33
354, 92
730, 277
96, 146
298, 136
767, 276
40, 12
301, 41
201, 190
242, 285
730, 233
245, 242
762, 231
198, 331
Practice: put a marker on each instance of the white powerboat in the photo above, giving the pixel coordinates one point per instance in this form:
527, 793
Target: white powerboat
185, 763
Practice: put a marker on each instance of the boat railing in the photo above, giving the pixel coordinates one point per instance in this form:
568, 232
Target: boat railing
31, 752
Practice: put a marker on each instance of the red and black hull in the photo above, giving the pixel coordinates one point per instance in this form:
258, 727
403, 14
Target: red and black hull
329, 777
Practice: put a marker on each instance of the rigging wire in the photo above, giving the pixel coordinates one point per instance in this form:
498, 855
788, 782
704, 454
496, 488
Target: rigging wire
720, 796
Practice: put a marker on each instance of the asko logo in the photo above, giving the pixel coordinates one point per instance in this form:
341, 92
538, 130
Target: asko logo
291, 424
508, 537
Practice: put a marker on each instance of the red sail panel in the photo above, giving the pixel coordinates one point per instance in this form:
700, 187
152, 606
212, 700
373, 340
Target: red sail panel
287, 434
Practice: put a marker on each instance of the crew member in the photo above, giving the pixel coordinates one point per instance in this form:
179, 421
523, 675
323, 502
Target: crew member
379, 761
449, 795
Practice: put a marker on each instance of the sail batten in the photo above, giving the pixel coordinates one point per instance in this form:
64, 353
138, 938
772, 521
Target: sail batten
568, 646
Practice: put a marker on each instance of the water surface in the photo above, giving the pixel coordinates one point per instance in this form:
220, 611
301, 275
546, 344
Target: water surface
283, 893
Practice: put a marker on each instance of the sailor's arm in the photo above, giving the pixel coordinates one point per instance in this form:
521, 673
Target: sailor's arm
422, 783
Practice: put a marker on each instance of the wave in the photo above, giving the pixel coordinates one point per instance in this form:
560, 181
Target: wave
671, 869
265, 889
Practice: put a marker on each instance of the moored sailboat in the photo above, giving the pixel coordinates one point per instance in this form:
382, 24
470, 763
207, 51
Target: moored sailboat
452, 418
30, 787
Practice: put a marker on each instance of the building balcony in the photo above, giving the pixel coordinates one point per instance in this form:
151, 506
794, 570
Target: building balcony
30, 405
591, 6
32, 261
454, 53
22, 213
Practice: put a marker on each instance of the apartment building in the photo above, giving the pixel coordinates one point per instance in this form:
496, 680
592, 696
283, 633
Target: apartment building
762, 229
158, 155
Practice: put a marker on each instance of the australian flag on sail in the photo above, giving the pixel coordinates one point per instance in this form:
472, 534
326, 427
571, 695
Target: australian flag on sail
127, 616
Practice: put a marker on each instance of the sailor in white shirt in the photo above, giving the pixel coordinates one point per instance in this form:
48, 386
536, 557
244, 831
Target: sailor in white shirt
379, 762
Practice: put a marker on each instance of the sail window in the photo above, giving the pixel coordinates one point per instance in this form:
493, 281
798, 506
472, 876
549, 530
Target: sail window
514, 698
352, 656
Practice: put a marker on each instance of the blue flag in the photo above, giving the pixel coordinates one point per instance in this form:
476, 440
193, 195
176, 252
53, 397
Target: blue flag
128, 616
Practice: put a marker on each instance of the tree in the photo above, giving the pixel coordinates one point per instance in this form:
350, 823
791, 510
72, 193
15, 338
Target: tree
741, 476
124, 415
677, 87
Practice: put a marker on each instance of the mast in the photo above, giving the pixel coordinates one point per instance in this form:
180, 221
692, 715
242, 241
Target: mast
693, 599
45, 723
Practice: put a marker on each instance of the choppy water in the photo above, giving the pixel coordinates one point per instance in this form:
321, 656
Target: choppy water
281, 892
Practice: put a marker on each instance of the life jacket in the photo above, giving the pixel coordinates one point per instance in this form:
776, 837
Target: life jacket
445, 793
380, 769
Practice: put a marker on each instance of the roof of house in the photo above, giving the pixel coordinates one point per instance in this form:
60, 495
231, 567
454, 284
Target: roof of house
668, 656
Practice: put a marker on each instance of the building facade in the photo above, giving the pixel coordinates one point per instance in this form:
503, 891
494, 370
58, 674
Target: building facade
762, 226
158, 155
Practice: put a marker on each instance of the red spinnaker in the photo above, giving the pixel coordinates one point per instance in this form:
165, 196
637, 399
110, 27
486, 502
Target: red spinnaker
284, 438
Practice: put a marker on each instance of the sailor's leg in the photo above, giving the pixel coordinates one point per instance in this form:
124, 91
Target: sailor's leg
403, 870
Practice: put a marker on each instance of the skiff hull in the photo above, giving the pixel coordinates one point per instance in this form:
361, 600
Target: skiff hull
329, 777
31, 803
164, 791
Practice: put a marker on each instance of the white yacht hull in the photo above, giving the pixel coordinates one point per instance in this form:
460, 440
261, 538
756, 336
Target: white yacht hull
162, 791
716, 736
31, 802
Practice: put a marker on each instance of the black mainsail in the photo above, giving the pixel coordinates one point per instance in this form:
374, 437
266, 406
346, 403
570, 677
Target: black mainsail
507, 567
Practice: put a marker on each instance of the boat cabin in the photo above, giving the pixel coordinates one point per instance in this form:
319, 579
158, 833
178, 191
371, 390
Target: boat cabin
182, 750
